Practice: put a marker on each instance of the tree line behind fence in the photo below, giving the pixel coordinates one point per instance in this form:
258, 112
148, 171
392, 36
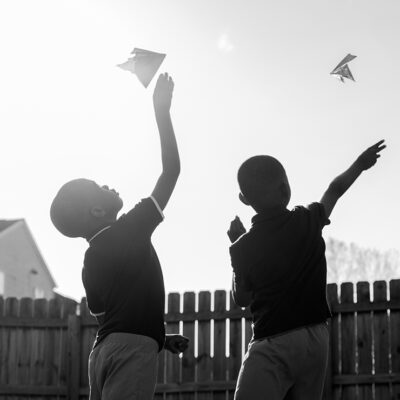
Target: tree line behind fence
44, 345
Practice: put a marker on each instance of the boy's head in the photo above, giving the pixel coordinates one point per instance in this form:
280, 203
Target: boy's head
263, 183
81, 207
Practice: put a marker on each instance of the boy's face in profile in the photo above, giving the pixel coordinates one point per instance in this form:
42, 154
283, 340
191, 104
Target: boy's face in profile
108, 199
82, 206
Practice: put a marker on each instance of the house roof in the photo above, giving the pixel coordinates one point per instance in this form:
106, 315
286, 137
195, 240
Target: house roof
6, 223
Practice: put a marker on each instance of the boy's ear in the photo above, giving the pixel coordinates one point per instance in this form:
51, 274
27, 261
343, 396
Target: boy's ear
243, 199
97, 212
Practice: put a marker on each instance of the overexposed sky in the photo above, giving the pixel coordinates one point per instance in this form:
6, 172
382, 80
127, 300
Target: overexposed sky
250, 78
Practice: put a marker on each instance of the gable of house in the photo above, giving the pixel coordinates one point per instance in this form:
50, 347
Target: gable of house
25, 273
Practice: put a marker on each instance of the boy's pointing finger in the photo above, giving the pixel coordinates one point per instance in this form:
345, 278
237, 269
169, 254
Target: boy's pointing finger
380, 149
379, 145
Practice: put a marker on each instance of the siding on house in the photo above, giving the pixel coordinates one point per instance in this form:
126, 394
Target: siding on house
23, 271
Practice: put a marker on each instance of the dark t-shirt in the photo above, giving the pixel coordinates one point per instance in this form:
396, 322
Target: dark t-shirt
122, 276
281, 260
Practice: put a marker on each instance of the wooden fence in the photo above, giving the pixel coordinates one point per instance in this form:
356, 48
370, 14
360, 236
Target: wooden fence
44, 346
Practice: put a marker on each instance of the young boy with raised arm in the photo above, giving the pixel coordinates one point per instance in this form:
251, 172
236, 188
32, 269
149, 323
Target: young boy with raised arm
279, 269
122, 275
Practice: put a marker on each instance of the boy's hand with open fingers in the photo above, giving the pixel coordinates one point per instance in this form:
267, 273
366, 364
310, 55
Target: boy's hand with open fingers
162, 95
368, 158
176, 343
236, 229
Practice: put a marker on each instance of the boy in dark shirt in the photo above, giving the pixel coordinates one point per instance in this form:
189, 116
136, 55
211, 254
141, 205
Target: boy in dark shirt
279, 269
121, 274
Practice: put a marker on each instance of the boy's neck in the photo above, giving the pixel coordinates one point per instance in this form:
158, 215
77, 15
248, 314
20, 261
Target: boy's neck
98, 228
98, 233
270, 210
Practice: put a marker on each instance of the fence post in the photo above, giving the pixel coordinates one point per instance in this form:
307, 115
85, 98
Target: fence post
73, 375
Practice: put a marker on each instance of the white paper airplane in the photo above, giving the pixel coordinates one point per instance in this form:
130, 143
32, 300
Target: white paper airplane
343, 70
144, 64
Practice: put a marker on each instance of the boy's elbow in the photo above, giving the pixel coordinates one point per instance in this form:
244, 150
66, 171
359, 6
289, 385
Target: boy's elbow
241, 299
177, 169
336, 188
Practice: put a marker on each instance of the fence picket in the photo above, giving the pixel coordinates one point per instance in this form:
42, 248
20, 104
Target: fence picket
24, 341
161, 373
173, 362
395, 335
11, 310
364, 340
55, 312
219, 361
204, 346
332, 392
188, 361
68, 307
381, 341
74, 357
49, 337
40, 310
3, 343
349, 392
235, 345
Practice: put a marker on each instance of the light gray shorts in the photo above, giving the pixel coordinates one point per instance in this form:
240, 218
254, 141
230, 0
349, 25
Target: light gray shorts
123, 366
288, 366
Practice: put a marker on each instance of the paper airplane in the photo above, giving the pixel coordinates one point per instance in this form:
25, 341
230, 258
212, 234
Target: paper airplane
343, 70
144, 64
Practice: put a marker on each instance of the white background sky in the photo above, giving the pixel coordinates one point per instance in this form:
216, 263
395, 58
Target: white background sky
252, 77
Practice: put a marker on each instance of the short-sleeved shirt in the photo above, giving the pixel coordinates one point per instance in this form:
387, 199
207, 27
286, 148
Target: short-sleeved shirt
122, 275
281, 261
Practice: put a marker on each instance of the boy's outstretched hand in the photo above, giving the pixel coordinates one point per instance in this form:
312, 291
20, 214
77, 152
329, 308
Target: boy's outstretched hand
341, 183
176, 343
162, 95
368, 158
236, 229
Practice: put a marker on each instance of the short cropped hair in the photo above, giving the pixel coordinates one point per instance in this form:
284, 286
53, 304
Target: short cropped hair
260, 175
69, 209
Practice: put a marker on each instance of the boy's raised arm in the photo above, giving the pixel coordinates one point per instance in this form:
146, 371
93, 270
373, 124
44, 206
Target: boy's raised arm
169, 150
342, 182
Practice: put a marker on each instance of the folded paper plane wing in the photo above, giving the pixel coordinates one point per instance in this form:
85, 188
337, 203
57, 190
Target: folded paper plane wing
128, 65
345, 72
144, 64
345, 61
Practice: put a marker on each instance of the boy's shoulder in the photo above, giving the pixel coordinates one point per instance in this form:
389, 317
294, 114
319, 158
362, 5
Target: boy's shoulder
316, 211
147, 210
297, 219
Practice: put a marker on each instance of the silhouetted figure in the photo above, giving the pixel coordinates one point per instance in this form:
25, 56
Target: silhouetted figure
279, 269
122, 275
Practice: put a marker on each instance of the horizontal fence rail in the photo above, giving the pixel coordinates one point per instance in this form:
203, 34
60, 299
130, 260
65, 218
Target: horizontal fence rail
45, 345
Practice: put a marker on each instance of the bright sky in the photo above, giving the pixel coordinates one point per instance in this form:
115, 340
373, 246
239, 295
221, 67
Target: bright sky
250, 78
